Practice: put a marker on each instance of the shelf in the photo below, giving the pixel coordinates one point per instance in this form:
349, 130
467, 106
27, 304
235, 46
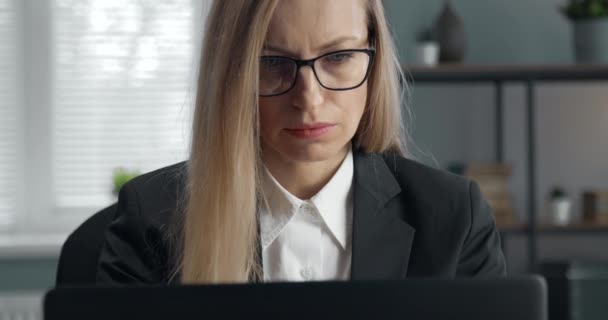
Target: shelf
573, 229
492, 73
529, 76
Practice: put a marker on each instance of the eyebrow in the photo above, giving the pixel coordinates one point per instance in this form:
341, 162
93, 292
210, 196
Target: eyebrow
333, 43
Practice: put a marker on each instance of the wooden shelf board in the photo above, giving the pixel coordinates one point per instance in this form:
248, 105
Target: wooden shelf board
484, 73
577, 228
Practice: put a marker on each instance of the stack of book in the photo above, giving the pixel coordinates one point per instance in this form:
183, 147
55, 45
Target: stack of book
493, 182
595, 206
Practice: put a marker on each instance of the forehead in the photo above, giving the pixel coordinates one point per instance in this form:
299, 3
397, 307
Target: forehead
302, 26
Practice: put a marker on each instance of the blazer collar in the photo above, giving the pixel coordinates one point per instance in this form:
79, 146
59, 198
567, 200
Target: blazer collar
382, 241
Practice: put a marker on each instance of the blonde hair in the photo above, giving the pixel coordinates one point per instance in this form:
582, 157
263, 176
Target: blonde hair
219, 232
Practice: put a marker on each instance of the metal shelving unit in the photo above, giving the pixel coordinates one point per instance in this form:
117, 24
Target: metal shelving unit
529, 75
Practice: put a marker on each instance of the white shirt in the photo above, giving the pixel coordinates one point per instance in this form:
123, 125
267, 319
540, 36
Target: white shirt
308, 240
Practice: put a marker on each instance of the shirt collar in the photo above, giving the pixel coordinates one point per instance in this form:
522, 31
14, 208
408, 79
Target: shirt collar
333, 201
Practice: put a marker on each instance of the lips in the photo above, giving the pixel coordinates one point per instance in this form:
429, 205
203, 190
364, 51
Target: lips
310, 131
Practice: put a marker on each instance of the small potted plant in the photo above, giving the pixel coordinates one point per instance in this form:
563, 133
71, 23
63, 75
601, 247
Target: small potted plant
120, 176
559, 206
590, 25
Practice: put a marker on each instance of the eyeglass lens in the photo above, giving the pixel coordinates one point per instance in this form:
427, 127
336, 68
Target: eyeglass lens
335, 71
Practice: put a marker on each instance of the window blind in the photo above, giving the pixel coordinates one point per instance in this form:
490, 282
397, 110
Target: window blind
122, 91
11, 128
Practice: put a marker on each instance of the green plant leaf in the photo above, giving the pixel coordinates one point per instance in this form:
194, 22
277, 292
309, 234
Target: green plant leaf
585, 9
121, 176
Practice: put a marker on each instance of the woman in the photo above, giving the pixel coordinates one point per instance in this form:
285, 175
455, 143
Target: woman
298, 167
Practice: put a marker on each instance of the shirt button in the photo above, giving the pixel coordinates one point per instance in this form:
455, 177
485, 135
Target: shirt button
306, 273
308, 209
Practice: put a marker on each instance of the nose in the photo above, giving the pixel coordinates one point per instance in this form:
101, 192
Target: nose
307, 92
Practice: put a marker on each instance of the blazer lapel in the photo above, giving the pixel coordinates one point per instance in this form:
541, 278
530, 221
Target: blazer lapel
381, 240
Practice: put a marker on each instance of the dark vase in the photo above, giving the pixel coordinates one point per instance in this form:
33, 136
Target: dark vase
449, 33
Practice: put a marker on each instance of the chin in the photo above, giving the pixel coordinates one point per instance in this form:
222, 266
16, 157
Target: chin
311, 152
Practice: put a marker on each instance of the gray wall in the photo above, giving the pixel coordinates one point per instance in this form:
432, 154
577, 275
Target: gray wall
455, 122
516, 31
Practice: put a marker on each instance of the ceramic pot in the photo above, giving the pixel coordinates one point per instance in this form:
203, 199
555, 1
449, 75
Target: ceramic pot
560, 211
591, 40
427, 53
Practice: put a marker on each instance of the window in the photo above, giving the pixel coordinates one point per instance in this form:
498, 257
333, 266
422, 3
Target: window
121, 73
108, 84
11, 127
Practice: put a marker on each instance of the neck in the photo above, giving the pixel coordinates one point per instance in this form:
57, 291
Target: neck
300, 178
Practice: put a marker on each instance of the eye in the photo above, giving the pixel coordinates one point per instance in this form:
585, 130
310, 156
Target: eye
339, 57
270, 62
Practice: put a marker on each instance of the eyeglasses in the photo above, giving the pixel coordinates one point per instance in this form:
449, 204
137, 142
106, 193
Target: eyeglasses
338, 70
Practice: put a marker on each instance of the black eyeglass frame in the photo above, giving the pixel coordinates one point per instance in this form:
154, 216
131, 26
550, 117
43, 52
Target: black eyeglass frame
371, 52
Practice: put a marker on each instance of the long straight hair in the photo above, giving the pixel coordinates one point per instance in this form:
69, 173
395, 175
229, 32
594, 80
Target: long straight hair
218, 233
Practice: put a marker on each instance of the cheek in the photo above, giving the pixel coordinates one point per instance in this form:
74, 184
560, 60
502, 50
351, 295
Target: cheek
270, 116
353, 107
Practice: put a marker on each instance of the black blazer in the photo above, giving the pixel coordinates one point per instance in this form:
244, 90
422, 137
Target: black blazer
409, 220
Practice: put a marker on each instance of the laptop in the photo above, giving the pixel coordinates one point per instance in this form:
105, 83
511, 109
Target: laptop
522, 298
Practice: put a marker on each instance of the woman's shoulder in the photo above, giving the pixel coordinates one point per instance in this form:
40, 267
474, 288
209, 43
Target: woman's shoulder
137, 248
168, 181
422, 178
450, 207
155, 195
